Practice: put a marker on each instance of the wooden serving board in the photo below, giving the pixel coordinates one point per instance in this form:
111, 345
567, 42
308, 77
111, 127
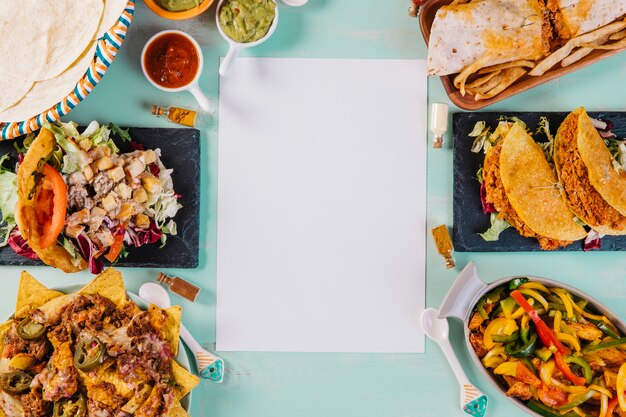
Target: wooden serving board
426, 18
180, 151
468, 216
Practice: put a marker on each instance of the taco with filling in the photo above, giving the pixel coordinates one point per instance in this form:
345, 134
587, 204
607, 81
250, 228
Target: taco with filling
80, 199
523, 188
41, 205
595, 190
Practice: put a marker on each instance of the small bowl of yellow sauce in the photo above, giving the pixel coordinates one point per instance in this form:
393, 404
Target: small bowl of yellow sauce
244, 24
179, 9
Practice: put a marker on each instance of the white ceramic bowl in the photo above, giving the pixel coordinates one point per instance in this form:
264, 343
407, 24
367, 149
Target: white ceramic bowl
192, 87
468, 288
234, 46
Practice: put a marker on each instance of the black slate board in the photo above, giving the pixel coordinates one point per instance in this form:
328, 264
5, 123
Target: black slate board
468, 216
180, 151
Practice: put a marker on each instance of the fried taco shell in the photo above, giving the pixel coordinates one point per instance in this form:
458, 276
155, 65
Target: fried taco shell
594, 190
522, 186
30, 229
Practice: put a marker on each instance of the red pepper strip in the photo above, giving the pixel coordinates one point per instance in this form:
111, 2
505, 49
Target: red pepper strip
545, 334
612, 403
567, 372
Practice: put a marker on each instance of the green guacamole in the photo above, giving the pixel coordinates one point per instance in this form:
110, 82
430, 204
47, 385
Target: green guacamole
247, 20
178, 5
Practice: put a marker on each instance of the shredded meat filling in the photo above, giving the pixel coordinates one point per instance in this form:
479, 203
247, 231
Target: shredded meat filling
34, 404
496, 195
583, 198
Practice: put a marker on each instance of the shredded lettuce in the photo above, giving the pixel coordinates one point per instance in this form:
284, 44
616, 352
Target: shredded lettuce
102, 138
121, 133
8, 200
479, 127
497, 226
482, 133
75, 159
512, 119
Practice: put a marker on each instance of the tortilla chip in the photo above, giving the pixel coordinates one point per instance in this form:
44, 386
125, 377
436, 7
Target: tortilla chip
605, 179
140, 397
32, 294
167, 323
177, 410
55, 254
531, 187
185, 381
108, 284
4, 328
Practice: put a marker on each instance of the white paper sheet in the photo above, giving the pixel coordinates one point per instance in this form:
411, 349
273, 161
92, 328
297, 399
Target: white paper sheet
321, 205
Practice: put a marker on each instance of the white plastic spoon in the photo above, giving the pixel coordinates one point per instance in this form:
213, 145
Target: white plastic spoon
473, 401
210, 366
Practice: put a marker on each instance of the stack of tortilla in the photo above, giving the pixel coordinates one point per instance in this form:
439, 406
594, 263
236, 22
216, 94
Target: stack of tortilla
47, 46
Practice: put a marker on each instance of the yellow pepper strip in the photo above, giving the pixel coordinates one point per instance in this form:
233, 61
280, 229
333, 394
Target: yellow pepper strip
557, 322
566, 329
620, 386
604, 399
535, 286
520, 311
563, 295
601, 390
583, 312
506, 368
569, 339
500, 326
494, 357
580, 412
534, 294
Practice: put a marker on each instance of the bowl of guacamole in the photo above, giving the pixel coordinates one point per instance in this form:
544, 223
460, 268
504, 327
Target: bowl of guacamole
178, 9
246, 21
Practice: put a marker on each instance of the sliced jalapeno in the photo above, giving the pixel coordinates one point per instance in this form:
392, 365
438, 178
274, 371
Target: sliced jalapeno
70, 407
15, 382
89, 354
28, 329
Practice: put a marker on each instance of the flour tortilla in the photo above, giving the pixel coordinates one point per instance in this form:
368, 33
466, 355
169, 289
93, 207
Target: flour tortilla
12, 90
113, 9
530, 185
45, 94
583, 16
42, 38
502, 30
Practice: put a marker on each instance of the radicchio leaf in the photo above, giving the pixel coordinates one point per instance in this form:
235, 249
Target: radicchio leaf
487, 207
20, 246
139, 237
593, 241
85, 245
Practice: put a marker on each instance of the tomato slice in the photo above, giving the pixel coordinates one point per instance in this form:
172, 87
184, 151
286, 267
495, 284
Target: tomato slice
50, 205
116, 247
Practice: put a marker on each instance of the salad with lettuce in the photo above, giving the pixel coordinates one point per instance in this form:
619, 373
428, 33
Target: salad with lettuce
112, 200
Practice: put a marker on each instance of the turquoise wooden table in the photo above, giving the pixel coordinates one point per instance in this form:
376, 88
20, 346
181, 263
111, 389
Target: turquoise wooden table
363, 385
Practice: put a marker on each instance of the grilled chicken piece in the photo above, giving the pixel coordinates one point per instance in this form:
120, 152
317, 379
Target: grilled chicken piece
475, 321
476, 340
520, 390
612, 356
610, 378
586, 331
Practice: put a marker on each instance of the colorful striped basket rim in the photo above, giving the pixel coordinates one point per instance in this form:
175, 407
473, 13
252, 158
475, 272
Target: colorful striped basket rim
107, 48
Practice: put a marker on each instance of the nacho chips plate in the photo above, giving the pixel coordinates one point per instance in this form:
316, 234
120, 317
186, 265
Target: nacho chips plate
118, 329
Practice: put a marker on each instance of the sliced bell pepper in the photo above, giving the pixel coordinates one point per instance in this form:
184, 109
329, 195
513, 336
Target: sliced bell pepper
544, 332
576, 401
533, 285
544, 354
534, 294
546, 411
516, 282
492, 297
612, 403
583, 364
506, 368
566, 371
620, 386
500, 326
505, 338
604, 328
523, 350
601, 346
116, 247
508, 306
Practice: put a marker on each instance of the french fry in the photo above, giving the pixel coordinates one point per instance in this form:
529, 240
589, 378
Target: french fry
482, 80
583, 40
576, 56
509, 76
461, 78
615, 45
488, 85
518, 63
